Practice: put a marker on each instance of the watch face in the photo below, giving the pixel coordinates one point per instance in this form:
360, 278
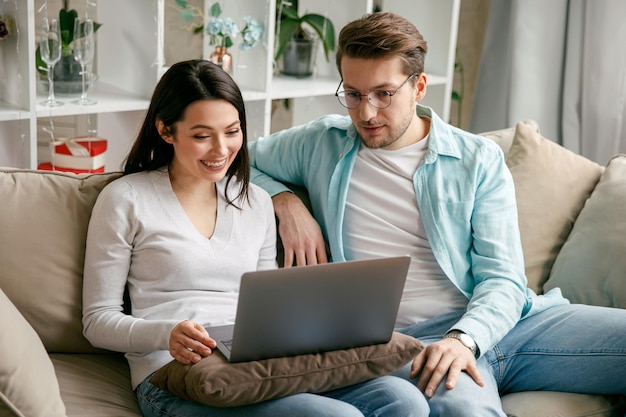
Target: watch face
467, 340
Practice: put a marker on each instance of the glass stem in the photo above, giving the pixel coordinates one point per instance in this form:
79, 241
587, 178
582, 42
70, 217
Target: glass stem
83, 96
51, 98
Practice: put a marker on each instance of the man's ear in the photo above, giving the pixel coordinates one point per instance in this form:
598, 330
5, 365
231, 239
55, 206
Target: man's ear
163, 131
420, 86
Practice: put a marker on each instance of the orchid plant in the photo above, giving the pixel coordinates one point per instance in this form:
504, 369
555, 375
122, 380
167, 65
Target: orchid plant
222, 31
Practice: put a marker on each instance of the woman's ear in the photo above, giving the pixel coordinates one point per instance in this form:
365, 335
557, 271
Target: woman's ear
163, 131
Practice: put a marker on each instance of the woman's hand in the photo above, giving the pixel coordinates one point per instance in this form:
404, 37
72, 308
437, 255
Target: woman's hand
301, 235
190, 342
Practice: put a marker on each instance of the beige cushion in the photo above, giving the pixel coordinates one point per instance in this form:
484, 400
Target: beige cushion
561, 404
504, 137
551, 186
95, 385
214, 381
28, 384
591, 267
43, 219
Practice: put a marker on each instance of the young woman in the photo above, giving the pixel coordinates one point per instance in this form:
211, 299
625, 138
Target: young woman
178, 230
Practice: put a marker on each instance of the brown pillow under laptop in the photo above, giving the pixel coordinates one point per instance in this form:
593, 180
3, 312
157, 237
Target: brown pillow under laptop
216, 382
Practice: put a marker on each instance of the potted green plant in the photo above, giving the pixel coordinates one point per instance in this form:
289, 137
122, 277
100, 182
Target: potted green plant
67, 69
295, 42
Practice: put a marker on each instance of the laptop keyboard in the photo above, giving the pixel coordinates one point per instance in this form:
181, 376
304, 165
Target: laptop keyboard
228, 343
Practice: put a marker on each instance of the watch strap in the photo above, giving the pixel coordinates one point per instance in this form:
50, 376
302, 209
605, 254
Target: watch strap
455, 334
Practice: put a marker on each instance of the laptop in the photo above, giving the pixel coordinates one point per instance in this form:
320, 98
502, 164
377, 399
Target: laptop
312, 309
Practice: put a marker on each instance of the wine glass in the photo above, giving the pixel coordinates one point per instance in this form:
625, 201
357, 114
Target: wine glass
84, 48
50, 50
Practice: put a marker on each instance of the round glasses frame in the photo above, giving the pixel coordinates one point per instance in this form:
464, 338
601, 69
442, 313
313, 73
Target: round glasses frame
381, 99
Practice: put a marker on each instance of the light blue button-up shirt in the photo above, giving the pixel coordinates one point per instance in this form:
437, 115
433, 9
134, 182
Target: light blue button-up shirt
466, 197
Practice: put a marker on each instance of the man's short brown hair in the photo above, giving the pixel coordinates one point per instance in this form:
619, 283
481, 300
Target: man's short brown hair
382, 35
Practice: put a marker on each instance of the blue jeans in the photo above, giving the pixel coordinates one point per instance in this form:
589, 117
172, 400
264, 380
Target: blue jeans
387, 396
569, 348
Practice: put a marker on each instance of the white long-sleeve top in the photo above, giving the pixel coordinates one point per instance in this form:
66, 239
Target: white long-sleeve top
139, 234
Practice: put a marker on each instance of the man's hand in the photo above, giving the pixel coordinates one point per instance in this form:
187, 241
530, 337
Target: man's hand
301, 235
190, 342
446, 356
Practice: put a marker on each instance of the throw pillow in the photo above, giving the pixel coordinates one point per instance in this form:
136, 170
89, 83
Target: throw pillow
504, 137
591, 267
216, 382
44, 227
551, 187
28, 384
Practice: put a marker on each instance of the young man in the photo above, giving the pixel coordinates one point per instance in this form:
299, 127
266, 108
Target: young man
393, 178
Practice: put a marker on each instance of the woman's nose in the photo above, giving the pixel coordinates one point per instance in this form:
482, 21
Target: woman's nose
219, 146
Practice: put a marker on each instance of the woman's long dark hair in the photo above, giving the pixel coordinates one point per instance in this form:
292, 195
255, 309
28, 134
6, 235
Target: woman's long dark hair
184, 83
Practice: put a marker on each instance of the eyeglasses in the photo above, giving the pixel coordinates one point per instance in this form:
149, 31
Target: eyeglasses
380, 99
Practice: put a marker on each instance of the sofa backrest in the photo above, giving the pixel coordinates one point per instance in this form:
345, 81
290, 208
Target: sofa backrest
44, 217
43, 228
552, 185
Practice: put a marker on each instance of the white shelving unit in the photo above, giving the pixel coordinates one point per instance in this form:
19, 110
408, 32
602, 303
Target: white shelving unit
130, 60
437, 20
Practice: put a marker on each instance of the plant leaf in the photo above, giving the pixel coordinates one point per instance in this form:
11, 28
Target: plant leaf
187, 15
288, 28
66, 25
39, 62
290, 12
182, 3
456, 96
216, 10
324, 28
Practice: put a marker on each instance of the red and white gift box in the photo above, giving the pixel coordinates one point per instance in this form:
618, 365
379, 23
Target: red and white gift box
47, 166
80, 154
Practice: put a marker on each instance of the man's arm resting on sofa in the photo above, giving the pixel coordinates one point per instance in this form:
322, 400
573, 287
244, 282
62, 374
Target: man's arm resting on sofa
299, 231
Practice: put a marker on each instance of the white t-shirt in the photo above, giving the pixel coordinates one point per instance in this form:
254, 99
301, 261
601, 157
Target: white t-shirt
382, 219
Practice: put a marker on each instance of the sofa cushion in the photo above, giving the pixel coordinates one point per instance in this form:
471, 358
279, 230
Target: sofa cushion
551, 186
591, 267
95, 385
562, 404
28, 384
216, 382
504, 137
44, 218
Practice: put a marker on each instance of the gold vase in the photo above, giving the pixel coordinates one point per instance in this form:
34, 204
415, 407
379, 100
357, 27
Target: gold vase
223, 58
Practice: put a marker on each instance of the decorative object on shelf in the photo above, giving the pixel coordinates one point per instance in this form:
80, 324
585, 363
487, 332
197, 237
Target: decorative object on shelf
222, 31
7, 27
67, 74
223, 58
84, 48
50, 52
296, 43
82, 154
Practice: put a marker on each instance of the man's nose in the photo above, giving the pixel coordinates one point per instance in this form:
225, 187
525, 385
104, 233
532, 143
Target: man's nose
366, 109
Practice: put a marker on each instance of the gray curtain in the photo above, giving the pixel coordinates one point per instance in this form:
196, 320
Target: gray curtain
561, 63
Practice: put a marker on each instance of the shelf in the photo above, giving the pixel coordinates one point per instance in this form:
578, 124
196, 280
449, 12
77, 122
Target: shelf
108, 98
9, 112
253, 95
289, 87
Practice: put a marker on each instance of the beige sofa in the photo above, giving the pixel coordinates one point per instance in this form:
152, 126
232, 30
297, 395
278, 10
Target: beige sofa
48, 369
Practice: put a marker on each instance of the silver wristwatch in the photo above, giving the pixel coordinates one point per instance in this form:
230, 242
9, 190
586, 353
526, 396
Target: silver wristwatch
466, 339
